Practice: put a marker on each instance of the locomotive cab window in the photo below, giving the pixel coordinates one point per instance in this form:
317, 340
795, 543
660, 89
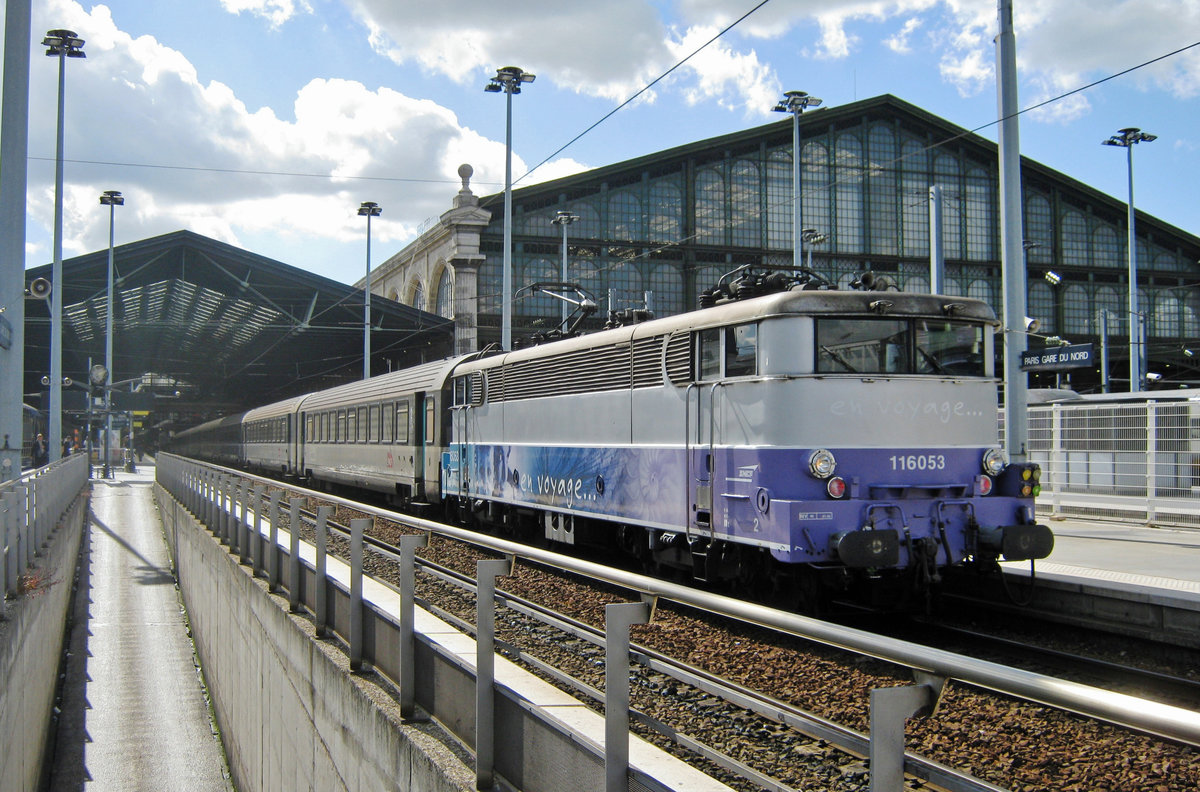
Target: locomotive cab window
728, 352
899, 346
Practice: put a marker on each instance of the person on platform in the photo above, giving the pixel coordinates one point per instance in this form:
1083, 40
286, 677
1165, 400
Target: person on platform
41, 452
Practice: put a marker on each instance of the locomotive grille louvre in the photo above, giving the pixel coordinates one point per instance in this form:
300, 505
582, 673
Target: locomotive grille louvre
647, 362
679, 359
476, 388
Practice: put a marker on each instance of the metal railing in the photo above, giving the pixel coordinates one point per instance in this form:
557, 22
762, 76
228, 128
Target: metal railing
214, 495
1124, 460
30, 508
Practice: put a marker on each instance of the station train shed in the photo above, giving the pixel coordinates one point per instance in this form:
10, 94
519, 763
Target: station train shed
203, 328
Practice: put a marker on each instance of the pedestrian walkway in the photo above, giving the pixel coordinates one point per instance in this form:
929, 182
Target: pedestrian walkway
134, 714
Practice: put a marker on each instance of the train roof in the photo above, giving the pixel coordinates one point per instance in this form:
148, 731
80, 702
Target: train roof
285, 407
805, 303
425, 377
215, 423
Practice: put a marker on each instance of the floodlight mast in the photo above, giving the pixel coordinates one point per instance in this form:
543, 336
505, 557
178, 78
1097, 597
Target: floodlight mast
507, 80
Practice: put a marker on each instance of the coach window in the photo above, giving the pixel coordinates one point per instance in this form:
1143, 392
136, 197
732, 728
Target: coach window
741, 350
387, 413
361, 437
402, 423
345, 429
373, 423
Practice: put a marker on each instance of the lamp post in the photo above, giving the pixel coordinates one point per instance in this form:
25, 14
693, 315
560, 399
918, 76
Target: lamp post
112, 199
508, 79
811, 237
1126, 138
368, 209
564, 219
796, 102
62, 44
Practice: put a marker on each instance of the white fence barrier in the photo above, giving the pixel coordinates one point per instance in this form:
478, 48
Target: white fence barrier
1125, 460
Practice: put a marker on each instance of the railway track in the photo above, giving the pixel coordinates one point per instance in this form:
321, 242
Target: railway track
768, 711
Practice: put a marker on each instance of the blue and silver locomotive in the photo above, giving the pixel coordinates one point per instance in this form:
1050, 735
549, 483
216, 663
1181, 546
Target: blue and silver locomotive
807, 441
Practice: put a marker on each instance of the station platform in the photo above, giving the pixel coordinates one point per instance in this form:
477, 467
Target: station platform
1162, 559
134, 714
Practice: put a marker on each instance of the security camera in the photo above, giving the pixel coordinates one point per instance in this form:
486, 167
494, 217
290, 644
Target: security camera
1153, 376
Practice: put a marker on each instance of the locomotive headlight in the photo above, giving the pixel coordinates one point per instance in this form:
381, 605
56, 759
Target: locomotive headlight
994, 461
822, 464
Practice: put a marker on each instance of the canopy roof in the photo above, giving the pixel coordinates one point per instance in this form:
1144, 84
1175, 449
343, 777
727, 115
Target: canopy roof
217, 328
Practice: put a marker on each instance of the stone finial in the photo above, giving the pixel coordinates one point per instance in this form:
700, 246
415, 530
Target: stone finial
465, 172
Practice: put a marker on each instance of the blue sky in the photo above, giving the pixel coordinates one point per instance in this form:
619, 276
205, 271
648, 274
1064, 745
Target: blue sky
264, 123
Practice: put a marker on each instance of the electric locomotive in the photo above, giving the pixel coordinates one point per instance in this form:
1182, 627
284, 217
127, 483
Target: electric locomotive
807, 441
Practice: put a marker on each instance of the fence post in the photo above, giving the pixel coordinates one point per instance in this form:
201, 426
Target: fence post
294, 557
11, 528
5, 551
273, 548
1151, 459
408, 646
257, 562
890, 707
24, 529
618, 618
485, 667
320, 604
358, 527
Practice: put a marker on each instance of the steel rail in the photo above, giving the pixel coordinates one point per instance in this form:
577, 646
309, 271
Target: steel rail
1162, 720
813, 726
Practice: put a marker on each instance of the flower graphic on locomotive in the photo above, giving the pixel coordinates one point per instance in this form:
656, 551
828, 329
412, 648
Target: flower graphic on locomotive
637, 484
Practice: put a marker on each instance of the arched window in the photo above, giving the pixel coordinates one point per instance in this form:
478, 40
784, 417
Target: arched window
982, 227
588, 224
538, 223
1077, 309
416, 294
585, 273
1038, 230
946, 176
914, 200
666, 211
745, 197
849, 195
490, 284
1107, 299
881, 193
1041, 306
666, 281
918, 284
538, 304
1075, 239
625, 217
1165, 315
445, 294
814, 190
1106, 247
710, 206
1191, 319
780, 207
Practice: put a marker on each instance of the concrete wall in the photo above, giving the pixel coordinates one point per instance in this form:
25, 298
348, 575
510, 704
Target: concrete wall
292, 717
31, 646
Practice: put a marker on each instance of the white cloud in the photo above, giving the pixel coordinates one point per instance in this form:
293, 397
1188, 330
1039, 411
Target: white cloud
731, 79
274, 11
899, 42
191, 155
